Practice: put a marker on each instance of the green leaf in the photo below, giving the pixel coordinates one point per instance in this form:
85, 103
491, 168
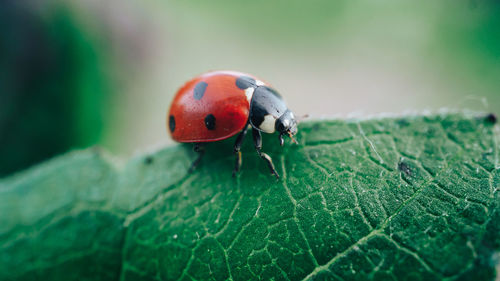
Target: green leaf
409, 198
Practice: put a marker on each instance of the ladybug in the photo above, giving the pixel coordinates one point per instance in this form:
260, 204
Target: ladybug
220, 104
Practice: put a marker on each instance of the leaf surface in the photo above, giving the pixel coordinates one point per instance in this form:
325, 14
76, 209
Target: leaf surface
408, 198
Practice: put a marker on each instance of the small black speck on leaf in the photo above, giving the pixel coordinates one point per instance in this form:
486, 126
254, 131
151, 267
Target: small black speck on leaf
148, 160
403, 122
485, 155
430, 132
405, 168
491, 118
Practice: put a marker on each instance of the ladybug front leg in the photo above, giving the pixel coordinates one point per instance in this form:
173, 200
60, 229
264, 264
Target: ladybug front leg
237, 148
200, 149
257, 140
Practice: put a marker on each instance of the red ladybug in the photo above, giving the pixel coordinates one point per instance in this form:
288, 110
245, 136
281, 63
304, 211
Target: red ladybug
217, 105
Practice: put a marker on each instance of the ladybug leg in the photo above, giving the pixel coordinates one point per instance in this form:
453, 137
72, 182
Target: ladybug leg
200, 149
237, 152
282, 141
257, 140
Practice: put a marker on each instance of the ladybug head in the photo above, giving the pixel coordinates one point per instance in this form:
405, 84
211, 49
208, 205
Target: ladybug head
286, 125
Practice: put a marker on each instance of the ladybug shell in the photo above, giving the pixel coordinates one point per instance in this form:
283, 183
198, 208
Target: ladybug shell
210, 107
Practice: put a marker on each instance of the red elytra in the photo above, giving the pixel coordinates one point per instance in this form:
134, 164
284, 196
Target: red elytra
220, 104
209, 108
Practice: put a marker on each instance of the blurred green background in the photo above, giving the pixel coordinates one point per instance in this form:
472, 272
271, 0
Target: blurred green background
79, 73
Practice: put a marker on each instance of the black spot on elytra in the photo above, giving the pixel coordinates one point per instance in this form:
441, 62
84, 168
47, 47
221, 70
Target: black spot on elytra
244, 82
171, 123
210, 122
405, 168
491, 118
199, 90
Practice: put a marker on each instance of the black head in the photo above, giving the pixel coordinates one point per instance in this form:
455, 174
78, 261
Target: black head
286, 125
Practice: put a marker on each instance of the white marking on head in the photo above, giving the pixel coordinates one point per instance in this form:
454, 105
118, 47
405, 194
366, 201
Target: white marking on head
249, 93
268, 124
259, 83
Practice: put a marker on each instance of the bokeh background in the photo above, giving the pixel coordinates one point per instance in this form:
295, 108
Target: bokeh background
79, 73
